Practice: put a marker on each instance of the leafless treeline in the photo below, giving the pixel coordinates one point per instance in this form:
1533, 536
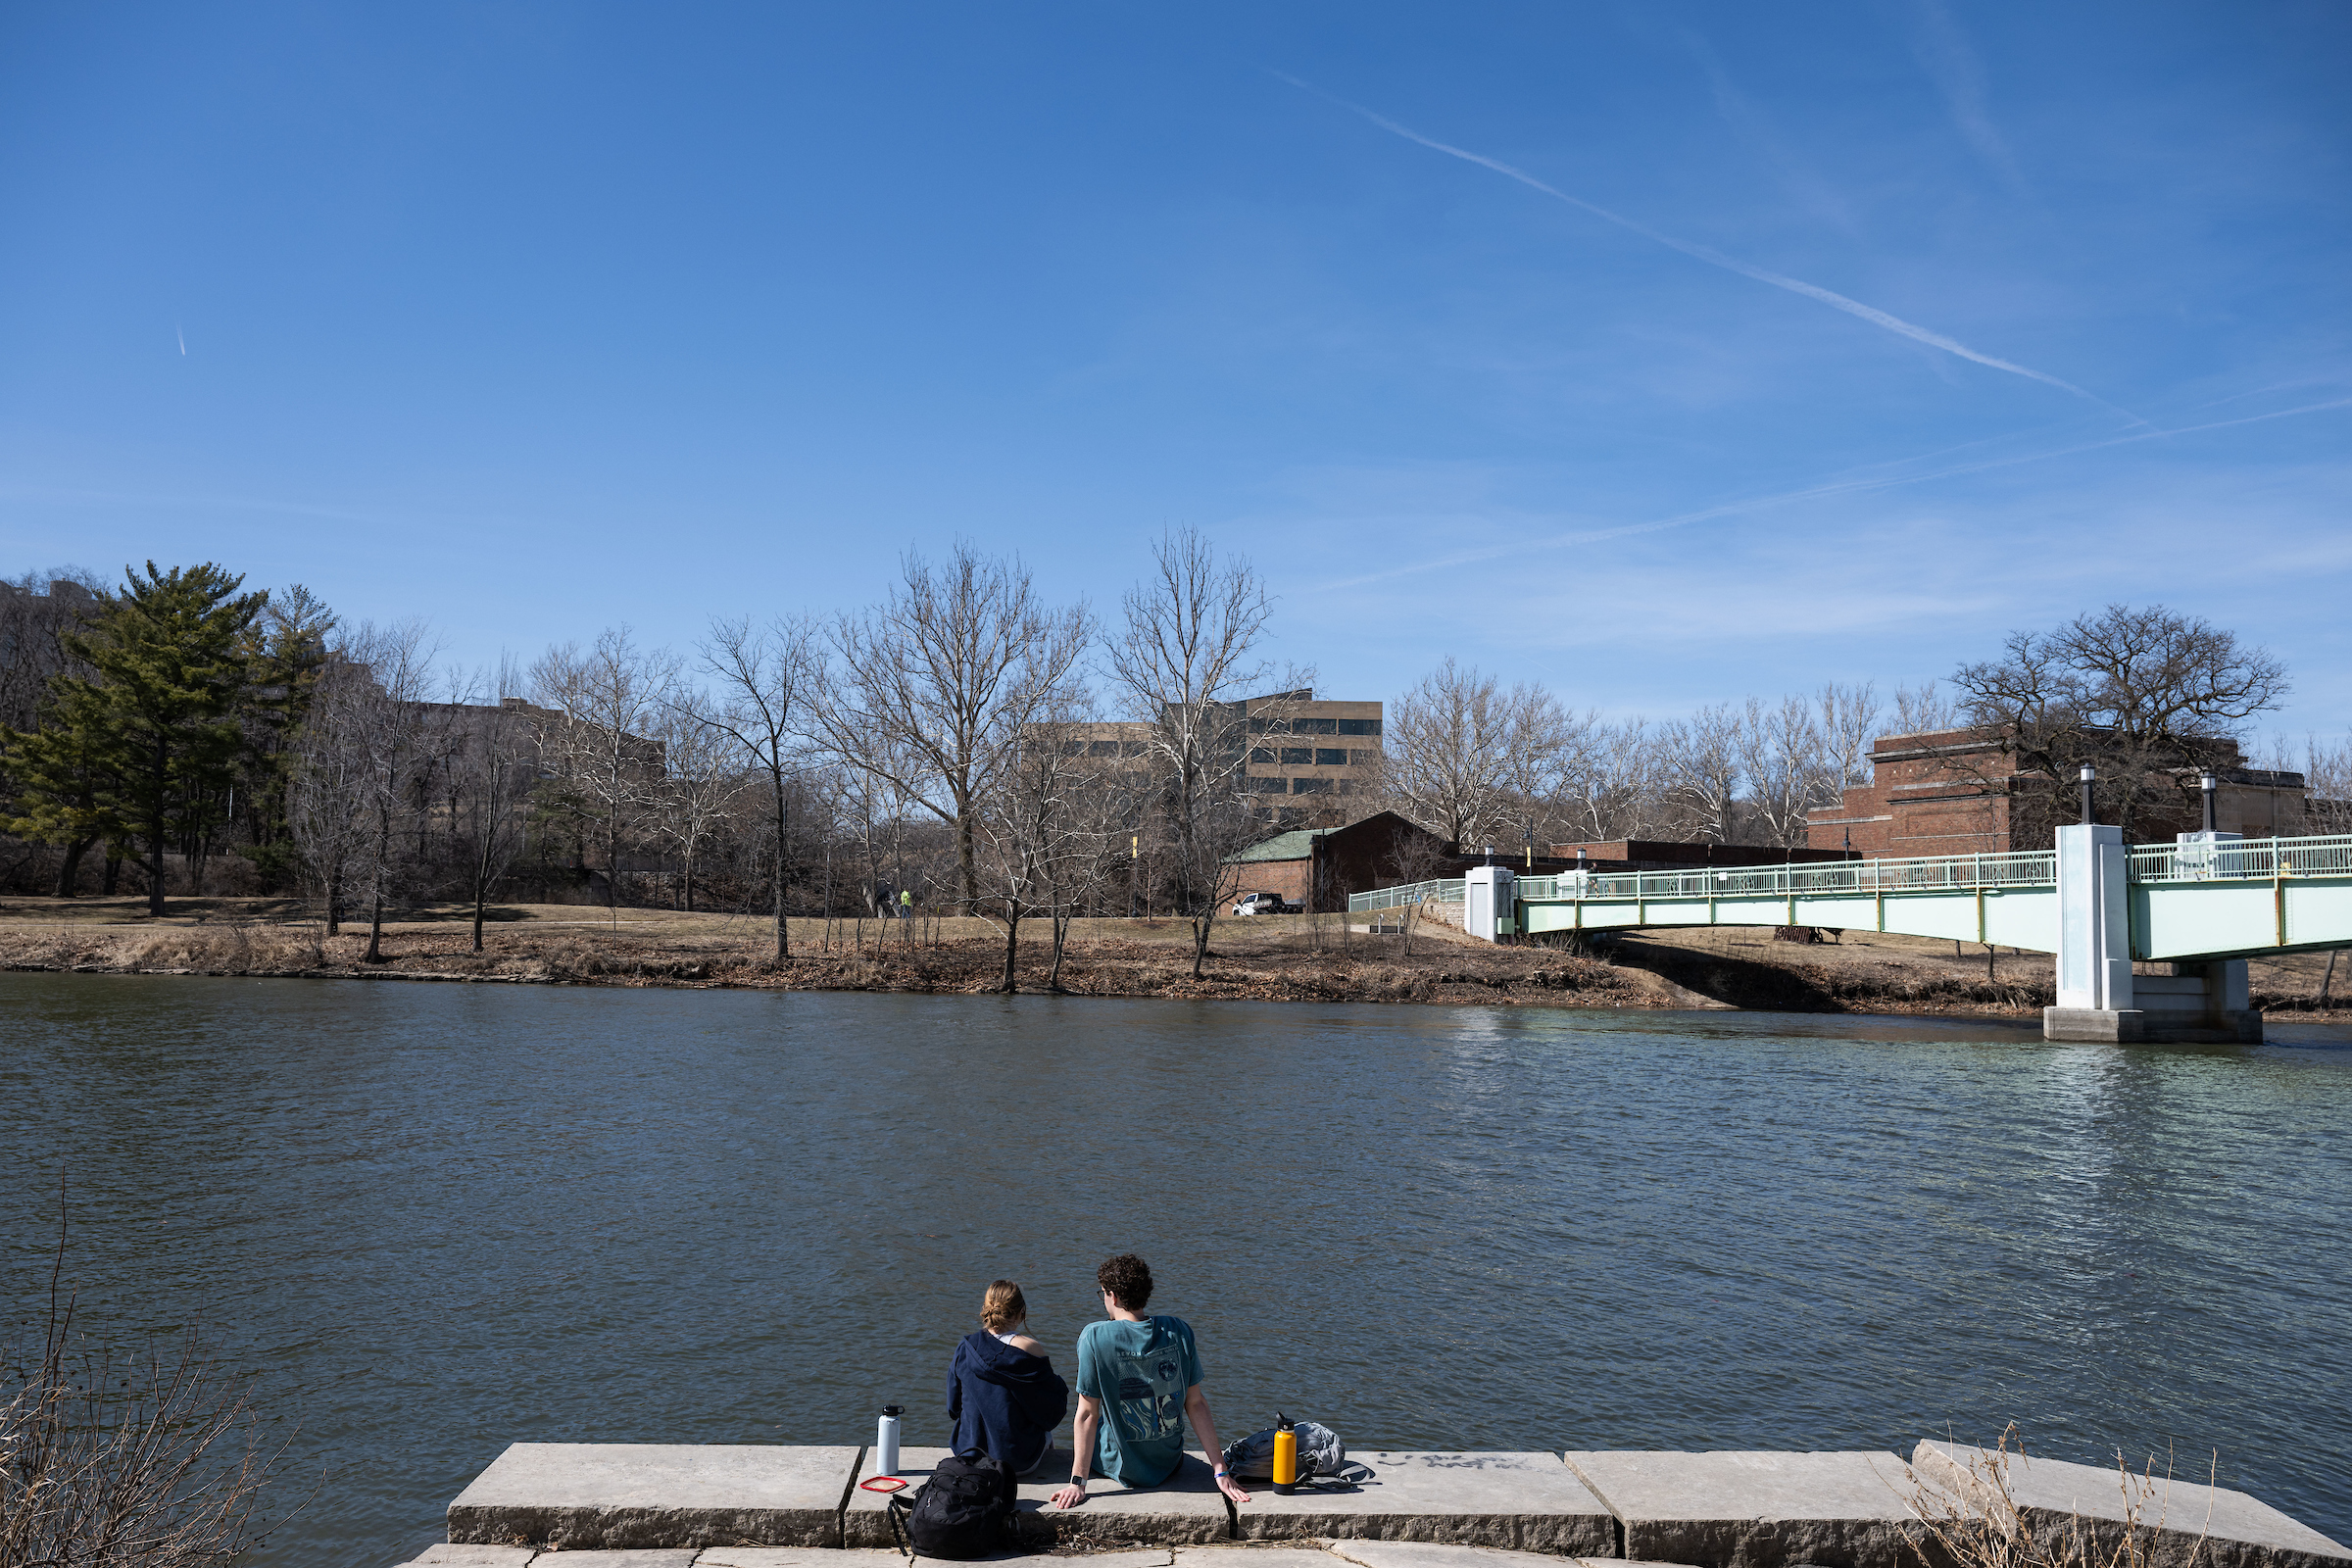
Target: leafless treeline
941, 749
1488, 765
928, 751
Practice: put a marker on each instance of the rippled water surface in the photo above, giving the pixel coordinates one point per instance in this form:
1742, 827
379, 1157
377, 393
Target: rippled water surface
441, 1219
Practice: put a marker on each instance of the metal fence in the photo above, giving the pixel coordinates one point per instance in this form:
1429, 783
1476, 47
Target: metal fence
2033, 868
1445, 892
2262, 858
2149, 862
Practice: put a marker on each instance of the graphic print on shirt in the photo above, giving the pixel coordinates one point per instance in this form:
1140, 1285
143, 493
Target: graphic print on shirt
1150, 1402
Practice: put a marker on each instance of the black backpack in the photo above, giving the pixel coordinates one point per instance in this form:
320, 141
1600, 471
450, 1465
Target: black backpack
963, 1511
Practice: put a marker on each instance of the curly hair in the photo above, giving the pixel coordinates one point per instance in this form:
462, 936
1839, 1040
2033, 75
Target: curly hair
1128, 1279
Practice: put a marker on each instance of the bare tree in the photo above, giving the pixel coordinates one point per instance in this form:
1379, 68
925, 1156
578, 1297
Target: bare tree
1038, 834
702, 779
1703, 765
1617, 788
493, 778
936, 682
1450, 745
607, 701
392, 736
1848, 718
768, 677
2138, 694
1181, 662
1925, 710
331, 789
1779, 753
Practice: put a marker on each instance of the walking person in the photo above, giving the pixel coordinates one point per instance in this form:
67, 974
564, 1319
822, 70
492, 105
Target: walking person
1139, 1381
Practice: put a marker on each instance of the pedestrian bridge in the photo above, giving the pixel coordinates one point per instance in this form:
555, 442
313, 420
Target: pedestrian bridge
2095, 902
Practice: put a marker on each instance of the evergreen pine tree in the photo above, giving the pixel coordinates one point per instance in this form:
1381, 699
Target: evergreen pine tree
64, 780
157, 722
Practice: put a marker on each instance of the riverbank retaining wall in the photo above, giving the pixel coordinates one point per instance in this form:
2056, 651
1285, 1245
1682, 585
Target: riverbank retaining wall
707, 1504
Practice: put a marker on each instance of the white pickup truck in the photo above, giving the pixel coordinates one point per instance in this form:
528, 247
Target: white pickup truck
1263, 903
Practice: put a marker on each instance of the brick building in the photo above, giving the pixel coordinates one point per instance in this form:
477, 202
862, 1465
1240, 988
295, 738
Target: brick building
1954, 791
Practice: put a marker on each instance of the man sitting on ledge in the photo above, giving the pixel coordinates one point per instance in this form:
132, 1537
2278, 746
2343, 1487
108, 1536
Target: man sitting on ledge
1144, 1374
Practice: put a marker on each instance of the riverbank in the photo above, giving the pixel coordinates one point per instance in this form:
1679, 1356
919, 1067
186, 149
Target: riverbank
1287, 958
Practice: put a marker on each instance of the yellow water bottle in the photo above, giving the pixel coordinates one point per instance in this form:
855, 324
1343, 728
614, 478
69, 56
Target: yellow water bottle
1286, 1455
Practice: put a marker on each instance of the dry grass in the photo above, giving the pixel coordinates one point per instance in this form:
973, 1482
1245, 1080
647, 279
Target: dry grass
1293, 957
1975, 1520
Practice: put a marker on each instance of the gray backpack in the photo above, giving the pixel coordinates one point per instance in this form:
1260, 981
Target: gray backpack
1320, 1454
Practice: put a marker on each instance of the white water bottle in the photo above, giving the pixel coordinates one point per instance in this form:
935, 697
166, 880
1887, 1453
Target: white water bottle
886, 1442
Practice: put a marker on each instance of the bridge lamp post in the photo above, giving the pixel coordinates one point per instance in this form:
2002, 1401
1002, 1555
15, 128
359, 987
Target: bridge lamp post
2208, 784
2089, 774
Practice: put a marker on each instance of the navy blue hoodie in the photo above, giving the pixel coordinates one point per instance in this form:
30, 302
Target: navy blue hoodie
1004, 1402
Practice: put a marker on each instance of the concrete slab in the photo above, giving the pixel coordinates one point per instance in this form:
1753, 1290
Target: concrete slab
1746, 1509
2237, 1531
1185, 1510
1188, 1509
1523, 1501
583, 1495
794, 1558
447, 1554
647, 1557
1430, 1554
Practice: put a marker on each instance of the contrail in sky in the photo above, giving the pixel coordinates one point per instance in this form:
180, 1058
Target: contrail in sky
1816, 491
183, 340
1715, 258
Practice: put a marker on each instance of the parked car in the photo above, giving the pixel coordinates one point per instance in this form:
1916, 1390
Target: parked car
1263, 903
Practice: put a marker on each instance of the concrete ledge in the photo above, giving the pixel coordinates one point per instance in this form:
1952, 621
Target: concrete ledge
578, 1496
792, 1557
1520, 1502
1757, 1510
2183, 1522
1428, 1555
2113, 1026
1187, 1510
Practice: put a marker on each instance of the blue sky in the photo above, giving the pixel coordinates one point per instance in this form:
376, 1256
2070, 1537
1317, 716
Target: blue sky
1783, 345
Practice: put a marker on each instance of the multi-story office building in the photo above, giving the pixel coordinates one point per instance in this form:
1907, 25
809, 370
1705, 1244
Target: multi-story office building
1304, 755
1297, 758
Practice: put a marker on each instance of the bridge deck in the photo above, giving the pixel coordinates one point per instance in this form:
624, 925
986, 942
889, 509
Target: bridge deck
2187, 900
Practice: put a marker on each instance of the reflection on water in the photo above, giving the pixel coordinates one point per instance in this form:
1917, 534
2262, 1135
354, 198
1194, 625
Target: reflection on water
447, 1217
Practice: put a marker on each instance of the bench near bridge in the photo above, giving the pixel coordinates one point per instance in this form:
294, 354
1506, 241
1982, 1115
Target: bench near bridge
2197, 908
663, 1505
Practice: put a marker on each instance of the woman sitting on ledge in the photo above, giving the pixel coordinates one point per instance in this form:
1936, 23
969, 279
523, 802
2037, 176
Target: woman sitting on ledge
1002, 1392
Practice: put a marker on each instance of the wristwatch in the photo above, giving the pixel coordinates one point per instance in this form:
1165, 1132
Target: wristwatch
1077, 1481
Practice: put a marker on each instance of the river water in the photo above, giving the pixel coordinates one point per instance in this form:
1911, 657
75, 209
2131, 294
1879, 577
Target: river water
441, 1219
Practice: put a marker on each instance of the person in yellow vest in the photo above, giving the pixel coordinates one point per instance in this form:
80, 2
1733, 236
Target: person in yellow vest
906, 903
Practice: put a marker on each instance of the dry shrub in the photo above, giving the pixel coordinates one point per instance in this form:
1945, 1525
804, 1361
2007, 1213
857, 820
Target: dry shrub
1975, 1521
153, 1459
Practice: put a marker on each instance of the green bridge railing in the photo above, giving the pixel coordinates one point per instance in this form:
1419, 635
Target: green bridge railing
2258, 859
2262, 858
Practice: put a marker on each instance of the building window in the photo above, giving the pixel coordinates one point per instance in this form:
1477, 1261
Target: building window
1310, 786
1298, 756
1359, 726
1103, 749
1132, 747
1361, 757
1314, 726
1262, 786
1326, 757
1262, 753
1073, 748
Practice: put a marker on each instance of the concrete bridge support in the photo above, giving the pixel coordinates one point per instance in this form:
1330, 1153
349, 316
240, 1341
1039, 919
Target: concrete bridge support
2099, 997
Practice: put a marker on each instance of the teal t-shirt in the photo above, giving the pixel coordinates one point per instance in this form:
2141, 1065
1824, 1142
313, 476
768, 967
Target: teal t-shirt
1140, 1371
